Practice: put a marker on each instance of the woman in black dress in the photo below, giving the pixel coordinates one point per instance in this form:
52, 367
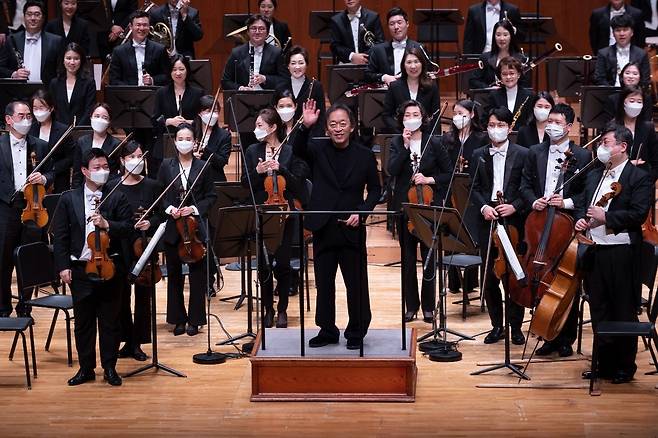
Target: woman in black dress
533, 132
278, 28
70, 26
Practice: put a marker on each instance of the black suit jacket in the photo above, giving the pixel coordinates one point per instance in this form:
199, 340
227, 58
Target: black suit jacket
498, 98
342, 42
475, 30
7, 60
188, 31
123, 68
474, 141
165, 104
645, 135
219, 143
381, 60
534, 174
203, 194
51, 53
606, 72
360, 173
528, 135
317, 94
83, 145
119, 16
599, 27
282, 33
82, 100
78, 33
62, 159
398, 93
236, 70
487, 76
34, 144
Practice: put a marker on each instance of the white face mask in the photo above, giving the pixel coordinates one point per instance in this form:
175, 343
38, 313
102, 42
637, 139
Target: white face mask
184, 146
134, 166
99, 176
286, 114
23, 126
460, 121
260, 134
554, 131
541, 114
497, 135
633, 109
99, 125
209, 118
412, 124
41, 116
603, 154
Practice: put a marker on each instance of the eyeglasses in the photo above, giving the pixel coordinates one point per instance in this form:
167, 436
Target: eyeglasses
258, 29
21, 116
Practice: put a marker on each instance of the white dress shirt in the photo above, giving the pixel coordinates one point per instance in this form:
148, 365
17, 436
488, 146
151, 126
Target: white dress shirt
556, 152
258, 58
492, 14
623, 58
354, 24
297, 85
499, 156
511, 98
653, 24
90, 206
18, 15
613, 14
414, 150
32, 56
398, 52
413, 94
140, 53
19, 160
44, 134
599, 234
185, 183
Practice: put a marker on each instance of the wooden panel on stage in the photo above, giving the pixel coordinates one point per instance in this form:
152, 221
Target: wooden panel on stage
333, 373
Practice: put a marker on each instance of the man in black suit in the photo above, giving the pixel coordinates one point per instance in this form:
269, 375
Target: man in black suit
40, 51
255, 65
480, 22
646, 7
612, 267
118, 16
140, 61
500, 171
183, 22
16, 150
95, 300
341, 170
540, 178
601, 32
611, 60
348, 29
385, 58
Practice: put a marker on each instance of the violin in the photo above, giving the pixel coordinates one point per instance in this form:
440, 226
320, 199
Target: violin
33, 194
100, 266
190, 247
275, 185
500, 265
421, 194
151, 273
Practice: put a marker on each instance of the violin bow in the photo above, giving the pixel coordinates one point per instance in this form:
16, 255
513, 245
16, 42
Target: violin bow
297, 123
212, 110
189, 189
159, 198
120, 145
429, 138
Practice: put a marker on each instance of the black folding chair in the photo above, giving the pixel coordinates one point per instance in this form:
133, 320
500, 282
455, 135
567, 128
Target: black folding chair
18, 326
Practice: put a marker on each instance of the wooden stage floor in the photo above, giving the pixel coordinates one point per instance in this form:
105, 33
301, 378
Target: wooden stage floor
214, 400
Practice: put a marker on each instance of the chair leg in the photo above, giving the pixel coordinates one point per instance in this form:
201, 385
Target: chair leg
68, 338
52, 329
34, 354
653, 354
308, 288
13, 347
581, 312
594, 388
27, 363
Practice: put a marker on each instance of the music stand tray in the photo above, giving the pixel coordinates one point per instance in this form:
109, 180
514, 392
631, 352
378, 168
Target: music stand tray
247, 104
460, 190
133, 105
371, 107
570, 75
537, 30
344, 77
431, 17
201, 74
595, 98
319, 25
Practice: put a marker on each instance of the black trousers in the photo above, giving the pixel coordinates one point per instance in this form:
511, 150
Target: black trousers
428, 289
281, 271
136, 330
493, 295
337, 245
176, 314
96, 309
612, 297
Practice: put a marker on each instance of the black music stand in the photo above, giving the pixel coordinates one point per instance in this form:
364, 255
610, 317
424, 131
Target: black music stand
247, 104
201, 74
342, 78
233, 22
441, 229
16, 89
571, 74
481, 96
537, 30
319, 25
371, 107
437, 26
133, 106
593, 114
460, 192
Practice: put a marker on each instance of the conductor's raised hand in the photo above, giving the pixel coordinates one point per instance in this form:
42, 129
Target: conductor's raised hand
310, 113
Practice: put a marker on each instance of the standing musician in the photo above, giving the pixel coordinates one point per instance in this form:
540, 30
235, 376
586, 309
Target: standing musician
530, 134
216, 145
341, 170
197, 205
480, 21
96, 301
184, 23
414, 161
16, 152
500, 171
279, 29
140, 193
140, 61
101, 117
612, 267
261, 160
601, 32
414, 84
118, 13
70, 26
385, 60
51, 131
511, 95
348, 31
540, 178
611, 59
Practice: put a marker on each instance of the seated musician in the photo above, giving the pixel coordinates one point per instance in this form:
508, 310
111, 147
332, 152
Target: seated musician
140, 61
630, 76
197, 205
535, 128
480, 22
612, 267
500, 156
385, 60
414, 84
348, 29
261, 160
415, 160
279, 29
17, 148
540, 177
70, 26
216, 141
511, 95
183, 22
601, 34
96, 301
610, 60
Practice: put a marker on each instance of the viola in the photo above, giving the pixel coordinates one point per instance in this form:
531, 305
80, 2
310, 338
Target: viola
151, 273
275, 185
421, 194
190, 247
33, 194
100, 266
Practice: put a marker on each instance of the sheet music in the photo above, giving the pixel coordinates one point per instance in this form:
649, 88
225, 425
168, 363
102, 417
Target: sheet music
510, 255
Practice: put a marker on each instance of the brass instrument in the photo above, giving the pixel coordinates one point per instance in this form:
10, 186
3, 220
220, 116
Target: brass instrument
240, 34
161, 33
518, 112
368, 37
273, 40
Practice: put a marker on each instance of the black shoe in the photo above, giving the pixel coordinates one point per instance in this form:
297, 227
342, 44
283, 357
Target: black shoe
82, 376
621, 377
384, 197
321, 341
565, 351
428, 316
494, 335
268, 319
126, 351
139, 355
110, 376
354, 344
281, 320
410, 316
192, 330
179, 329
546, 349
517, 337
587, 375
